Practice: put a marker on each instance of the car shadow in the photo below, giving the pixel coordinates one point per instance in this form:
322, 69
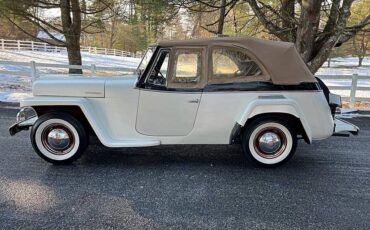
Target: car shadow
169, 154
174, 155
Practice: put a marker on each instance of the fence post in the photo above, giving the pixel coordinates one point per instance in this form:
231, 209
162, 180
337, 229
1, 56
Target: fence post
93, 69
352, 99
32, 46
114, 52
45, 49
33, 70
105, 50
19, 44
2, 44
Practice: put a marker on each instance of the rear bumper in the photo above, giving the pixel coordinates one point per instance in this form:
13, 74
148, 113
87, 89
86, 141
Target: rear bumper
334, 102
344, 128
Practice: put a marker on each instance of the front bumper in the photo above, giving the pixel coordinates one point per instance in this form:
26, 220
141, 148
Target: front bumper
23, 125
344, 128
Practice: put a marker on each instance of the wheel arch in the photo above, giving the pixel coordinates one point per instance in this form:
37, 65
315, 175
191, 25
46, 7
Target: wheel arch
283, 109
73, 110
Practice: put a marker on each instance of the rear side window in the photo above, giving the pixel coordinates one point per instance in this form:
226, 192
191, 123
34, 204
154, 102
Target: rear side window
231, 63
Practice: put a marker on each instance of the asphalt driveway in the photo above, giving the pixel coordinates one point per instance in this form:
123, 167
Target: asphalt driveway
325, 186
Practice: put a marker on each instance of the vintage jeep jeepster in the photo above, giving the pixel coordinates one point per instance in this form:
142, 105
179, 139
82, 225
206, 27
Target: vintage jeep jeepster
207, 91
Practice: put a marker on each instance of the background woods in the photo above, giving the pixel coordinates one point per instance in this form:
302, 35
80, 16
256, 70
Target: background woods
316, 27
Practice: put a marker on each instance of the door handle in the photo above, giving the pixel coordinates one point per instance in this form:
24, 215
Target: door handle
194, 101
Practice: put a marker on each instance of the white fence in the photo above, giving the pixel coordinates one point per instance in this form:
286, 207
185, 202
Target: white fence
353, 88
33, 72
45, 47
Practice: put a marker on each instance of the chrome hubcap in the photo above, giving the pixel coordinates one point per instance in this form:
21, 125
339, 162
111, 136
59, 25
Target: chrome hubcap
57, 139
269, 142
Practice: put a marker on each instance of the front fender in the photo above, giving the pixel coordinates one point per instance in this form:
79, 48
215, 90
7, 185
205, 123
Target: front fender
82, 103
275, 105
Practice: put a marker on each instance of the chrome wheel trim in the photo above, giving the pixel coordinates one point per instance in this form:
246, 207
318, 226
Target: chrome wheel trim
280, 153
57, 139
270, 142
41, 139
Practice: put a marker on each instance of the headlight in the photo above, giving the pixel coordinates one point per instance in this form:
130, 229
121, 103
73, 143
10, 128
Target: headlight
25, 114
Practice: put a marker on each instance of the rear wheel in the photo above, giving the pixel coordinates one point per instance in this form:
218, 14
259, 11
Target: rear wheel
269, 142
59, 138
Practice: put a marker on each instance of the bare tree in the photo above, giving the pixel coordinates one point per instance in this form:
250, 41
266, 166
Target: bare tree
361, 45
70, 23
320, 25
221, 19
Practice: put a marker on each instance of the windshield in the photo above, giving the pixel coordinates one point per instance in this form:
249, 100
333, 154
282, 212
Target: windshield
144, 62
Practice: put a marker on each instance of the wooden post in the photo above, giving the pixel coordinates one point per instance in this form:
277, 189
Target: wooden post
19, 44
2, 44
114, 52
33, 70
105, 50
93, 69
352, 98
45, 48
32, 46
95, 50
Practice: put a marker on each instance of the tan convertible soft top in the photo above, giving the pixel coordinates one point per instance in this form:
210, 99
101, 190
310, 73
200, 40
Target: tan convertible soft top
281, 59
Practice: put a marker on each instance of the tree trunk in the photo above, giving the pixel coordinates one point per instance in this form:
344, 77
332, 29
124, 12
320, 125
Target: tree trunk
309, 19
221, 19
72, 31
287, 12
74, 56
360, 59
112, 31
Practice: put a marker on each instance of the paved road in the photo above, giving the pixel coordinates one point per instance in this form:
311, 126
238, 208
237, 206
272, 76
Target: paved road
325, 186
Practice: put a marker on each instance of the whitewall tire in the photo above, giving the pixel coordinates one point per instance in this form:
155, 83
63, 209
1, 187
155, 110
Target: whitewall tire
58, 138
269, 142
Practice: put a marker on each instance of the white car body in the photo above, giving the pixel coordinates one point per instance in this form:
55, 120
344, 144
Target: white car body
123, 115
150, 109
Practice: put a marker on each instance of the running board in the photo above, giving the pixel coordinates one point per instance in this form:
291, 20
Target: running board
132, 143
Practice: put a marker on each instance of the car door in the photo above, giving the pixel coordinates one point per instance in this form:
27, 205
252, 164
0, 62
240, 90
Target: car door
171, 94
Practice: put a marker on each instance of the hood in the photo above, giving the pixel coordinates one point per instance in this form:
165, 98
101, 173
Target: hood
75, 85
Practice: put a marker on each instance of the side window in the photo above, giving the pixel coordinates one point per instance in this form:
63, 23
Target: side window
158, 75
233, 63
187, 66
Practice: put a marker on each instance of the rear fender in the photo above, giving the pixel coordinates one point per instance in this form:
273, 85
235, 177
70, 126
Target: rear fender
268, 105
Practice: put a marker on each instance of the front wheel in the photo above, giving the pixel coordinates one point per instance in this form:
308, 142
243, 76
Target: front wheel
269, 142
58, 138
